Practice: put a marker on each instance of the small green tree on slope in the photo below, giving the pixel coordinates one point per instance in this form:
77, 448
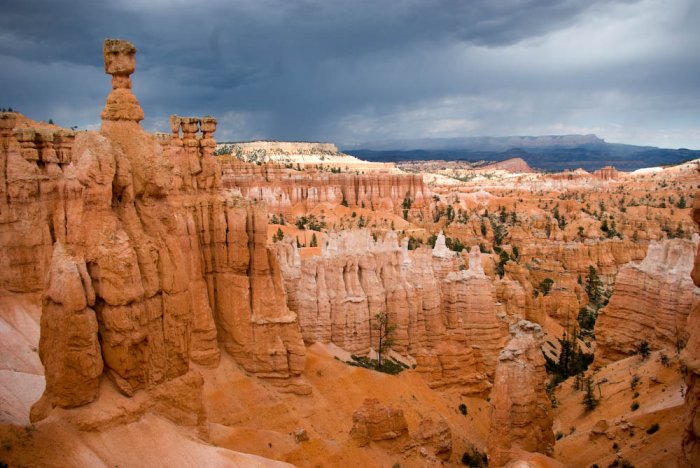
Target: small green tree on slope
385, 332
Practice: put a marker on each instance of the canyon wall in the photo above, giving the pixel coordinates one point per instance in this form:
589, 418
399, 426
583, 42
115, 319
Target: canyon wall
287, 191
691, 358
650, 302
445, 317
145, 263
521, 418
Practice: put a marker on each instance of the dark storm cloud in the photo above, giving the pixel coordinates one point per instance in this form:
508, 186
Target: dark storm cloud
361, 70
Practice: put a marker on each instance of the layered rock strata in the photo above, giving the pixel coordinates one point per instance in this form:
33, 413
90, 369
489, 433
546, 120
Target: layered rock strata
521, 419
651, 302
284, 189
446, 318
691, 359
374, 422
149, 263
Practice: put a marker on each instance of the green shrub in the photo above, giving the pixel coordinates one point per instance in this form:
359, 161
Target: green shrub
635, 406
643, 350
634, 382
475, 459
463, 409
388, 366
653, 428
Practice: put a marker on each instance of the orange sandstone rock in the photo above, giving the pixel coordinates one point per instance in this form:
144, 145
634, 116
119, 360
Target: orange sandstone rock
374, 422
149, 263
691, 358
521, 417
650, 302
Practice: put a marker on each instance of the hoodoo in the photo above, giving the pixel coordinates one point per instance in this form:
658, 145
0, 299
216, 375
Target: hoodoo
273, 303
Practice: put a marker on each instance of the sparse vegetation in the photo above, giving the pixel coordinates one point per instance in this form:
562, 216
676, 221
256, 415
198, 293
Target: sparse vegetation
589, 399
474, 458
634, 382
310, 222
385, 334
643, 350
546, 286
572, 360
463, 409
653, 428
388, 366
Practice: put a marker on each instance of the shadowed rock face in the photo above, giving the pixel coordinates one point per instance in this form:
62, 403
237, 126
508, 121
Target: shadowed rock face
691, 358
148, 262
521, 419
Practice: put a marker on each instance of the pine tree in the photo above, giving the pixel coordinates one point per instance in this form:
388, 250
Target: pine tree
385, 332
594, 286
589, 399
314, 241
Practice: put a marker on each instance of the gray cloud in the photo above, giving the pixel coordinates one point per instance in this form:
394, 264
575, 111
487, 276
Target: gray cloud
352, 71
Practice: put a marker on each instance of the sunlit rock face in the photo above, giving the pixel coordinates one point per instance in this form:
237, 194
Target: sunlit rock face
651, 302
145, 263
448, 321
287, 191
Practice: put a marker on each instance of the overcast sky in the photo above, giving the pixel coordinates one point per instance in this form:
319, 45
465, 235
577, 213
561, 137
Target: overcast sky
360, 70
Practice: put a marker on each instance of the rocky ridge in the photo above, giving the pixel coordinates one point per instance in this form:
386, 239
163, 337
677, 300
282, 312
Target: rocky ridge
445, 317
146, 258
288, 191
651, 302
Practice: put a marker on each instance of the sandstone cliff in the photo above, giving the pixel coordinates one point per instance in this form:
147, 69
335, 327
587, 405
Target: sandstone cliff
286, 190
521, 418
148, 263
691, 358
445, 317
650, 302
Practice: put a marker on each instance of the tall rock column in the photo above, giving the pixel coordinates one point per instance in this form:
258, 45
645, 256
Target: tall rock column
521, 418
120, 62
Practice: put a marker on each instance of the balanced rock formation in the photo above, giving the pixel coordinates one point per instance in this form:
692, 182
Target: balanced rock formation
146, 264
521, 419
651, 302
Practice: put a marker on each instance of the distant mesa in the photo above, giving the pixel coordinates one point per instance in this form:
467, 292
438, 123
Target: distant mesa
482, 143
296, 152
550, 152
